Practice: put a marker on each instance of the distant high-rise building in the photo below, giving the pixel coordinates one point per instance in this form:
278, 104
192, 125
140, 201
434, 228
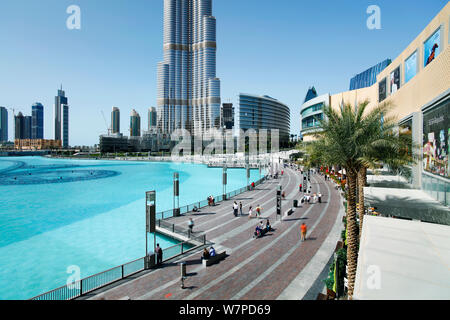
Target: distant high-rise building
60, 100
3, 124
368, 77
37, 121
19, 126
152, 115
263, 113
311, 94
135, 124
228, 115
65, 128
27, 120
115, 120
188, 90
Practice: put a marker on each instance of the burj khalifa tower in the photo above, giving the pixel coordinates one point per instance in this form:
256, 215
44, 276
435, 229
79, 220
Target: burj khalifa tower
188, 95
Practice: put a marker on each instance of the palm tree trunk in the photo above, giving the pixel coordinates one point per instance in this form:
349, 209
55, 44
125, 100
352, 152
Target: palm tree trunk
362, 177
352, 230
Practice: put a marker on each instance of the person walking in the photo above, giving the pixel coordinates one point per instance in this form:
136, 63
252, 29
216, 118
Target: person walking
300, 188
303, 230
191, 225
320, 197
235, 209
159, 254
258, 211
240, 208
250, 212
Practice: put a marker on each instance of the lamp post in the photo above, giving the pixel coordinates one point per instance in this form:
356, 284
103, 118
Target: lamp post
150, 218
224, 181
279, 189
176, 194
259, 167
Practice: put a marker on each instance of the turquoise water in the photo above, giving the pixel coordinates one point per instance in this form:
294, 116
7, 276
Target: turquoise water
86, 213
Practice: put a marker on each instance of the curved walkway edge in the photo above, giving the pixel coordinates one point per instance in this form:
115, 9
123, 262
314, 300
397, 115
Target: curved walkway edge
309, 275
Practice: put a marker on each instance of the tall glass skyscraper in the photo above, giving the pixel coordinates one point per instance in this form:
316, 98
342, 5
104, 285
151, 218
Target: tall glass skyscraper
188, 90
19, 126
60, 100
152, 116
115, 120
3, 124
135, 124
65, 128
37, 121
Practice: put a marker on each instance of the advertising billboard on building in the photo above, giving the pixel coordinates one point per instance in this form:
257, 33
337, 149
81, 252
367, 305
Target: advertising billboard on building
436, 128
395, 80
411, 67
431, 47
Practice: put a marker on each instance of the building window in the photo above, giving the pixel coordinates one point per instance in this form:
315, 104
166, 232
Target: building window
436, 131
382, 90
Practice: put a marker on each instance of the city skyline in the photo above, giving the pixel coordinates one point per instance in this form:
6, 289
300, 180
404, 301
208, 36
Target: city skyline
91, 75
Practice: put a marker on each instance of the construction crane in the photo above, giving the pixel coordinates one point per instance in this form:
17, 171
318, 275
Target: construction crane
108, 128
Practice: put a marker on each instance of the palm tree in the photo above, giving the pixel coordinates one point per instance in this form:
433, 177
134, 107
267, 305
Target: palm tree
384, 145
355, 140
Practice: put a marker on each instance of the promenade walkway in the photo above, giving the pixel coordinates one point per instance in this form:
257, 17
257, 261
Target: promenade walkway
277, 265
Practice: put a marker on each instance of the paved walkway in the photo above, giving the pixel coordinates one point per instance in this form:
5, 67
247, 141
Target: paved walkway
275, 266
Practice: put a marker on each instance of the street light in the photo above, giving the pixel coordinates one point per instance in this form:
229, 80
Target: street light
176, 194
224, 181
150, 218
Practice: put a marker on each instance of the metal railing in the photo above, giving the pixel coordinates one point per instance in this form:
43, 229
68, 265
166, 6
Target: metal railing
96, 281
102, 279
202, 204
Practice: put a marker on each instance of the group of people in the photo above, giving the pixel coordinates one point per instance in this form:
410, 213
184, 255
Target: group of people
262, 229
237, 210
208, 253
315, 198
211, 201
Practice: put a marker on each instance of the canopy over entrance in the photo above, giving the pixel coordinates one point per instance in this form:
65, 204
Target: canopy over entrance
403, 260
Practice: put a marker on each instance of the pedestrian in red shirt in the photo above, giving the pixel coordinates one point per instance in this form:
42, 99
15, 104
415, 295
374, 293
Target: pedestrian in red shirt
303, 231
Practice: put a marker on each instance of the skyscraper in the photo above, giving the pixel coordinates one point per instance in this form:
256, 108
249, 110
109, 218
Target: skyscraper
19, 126
135, 124
37, 121
228, 115
115, 120
152, 116
188, 90
60, 100
65, 128
3, 124
27, 121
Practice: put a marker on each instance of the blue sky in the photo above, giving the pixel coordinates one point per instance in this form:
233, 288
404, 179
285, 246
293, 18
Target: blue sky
267, 47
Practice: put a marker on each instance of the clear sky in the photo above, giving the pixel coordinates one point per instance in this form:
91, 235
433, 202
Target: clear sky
267, 47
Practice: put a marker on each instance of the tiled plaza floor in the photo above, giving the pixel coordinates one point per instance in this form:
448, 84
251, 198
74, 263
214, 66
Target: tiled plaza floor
255, 268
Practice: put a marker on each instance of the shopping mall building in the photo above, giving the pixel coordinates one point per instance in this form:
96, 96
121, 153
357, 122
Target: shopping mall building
417, 84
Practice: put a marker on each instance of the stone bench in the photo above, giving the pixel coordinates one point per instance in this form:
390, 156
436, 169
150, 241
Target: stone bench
215, 259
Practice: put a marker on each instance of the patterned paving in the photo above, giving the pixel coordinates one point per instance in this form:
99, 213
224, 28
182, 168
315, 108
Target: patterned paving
255, 269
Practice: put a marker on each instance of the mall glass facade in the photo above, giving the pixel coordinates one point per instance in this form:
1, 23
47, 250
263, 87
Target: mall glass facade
263, 112
435, 164
368, 77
